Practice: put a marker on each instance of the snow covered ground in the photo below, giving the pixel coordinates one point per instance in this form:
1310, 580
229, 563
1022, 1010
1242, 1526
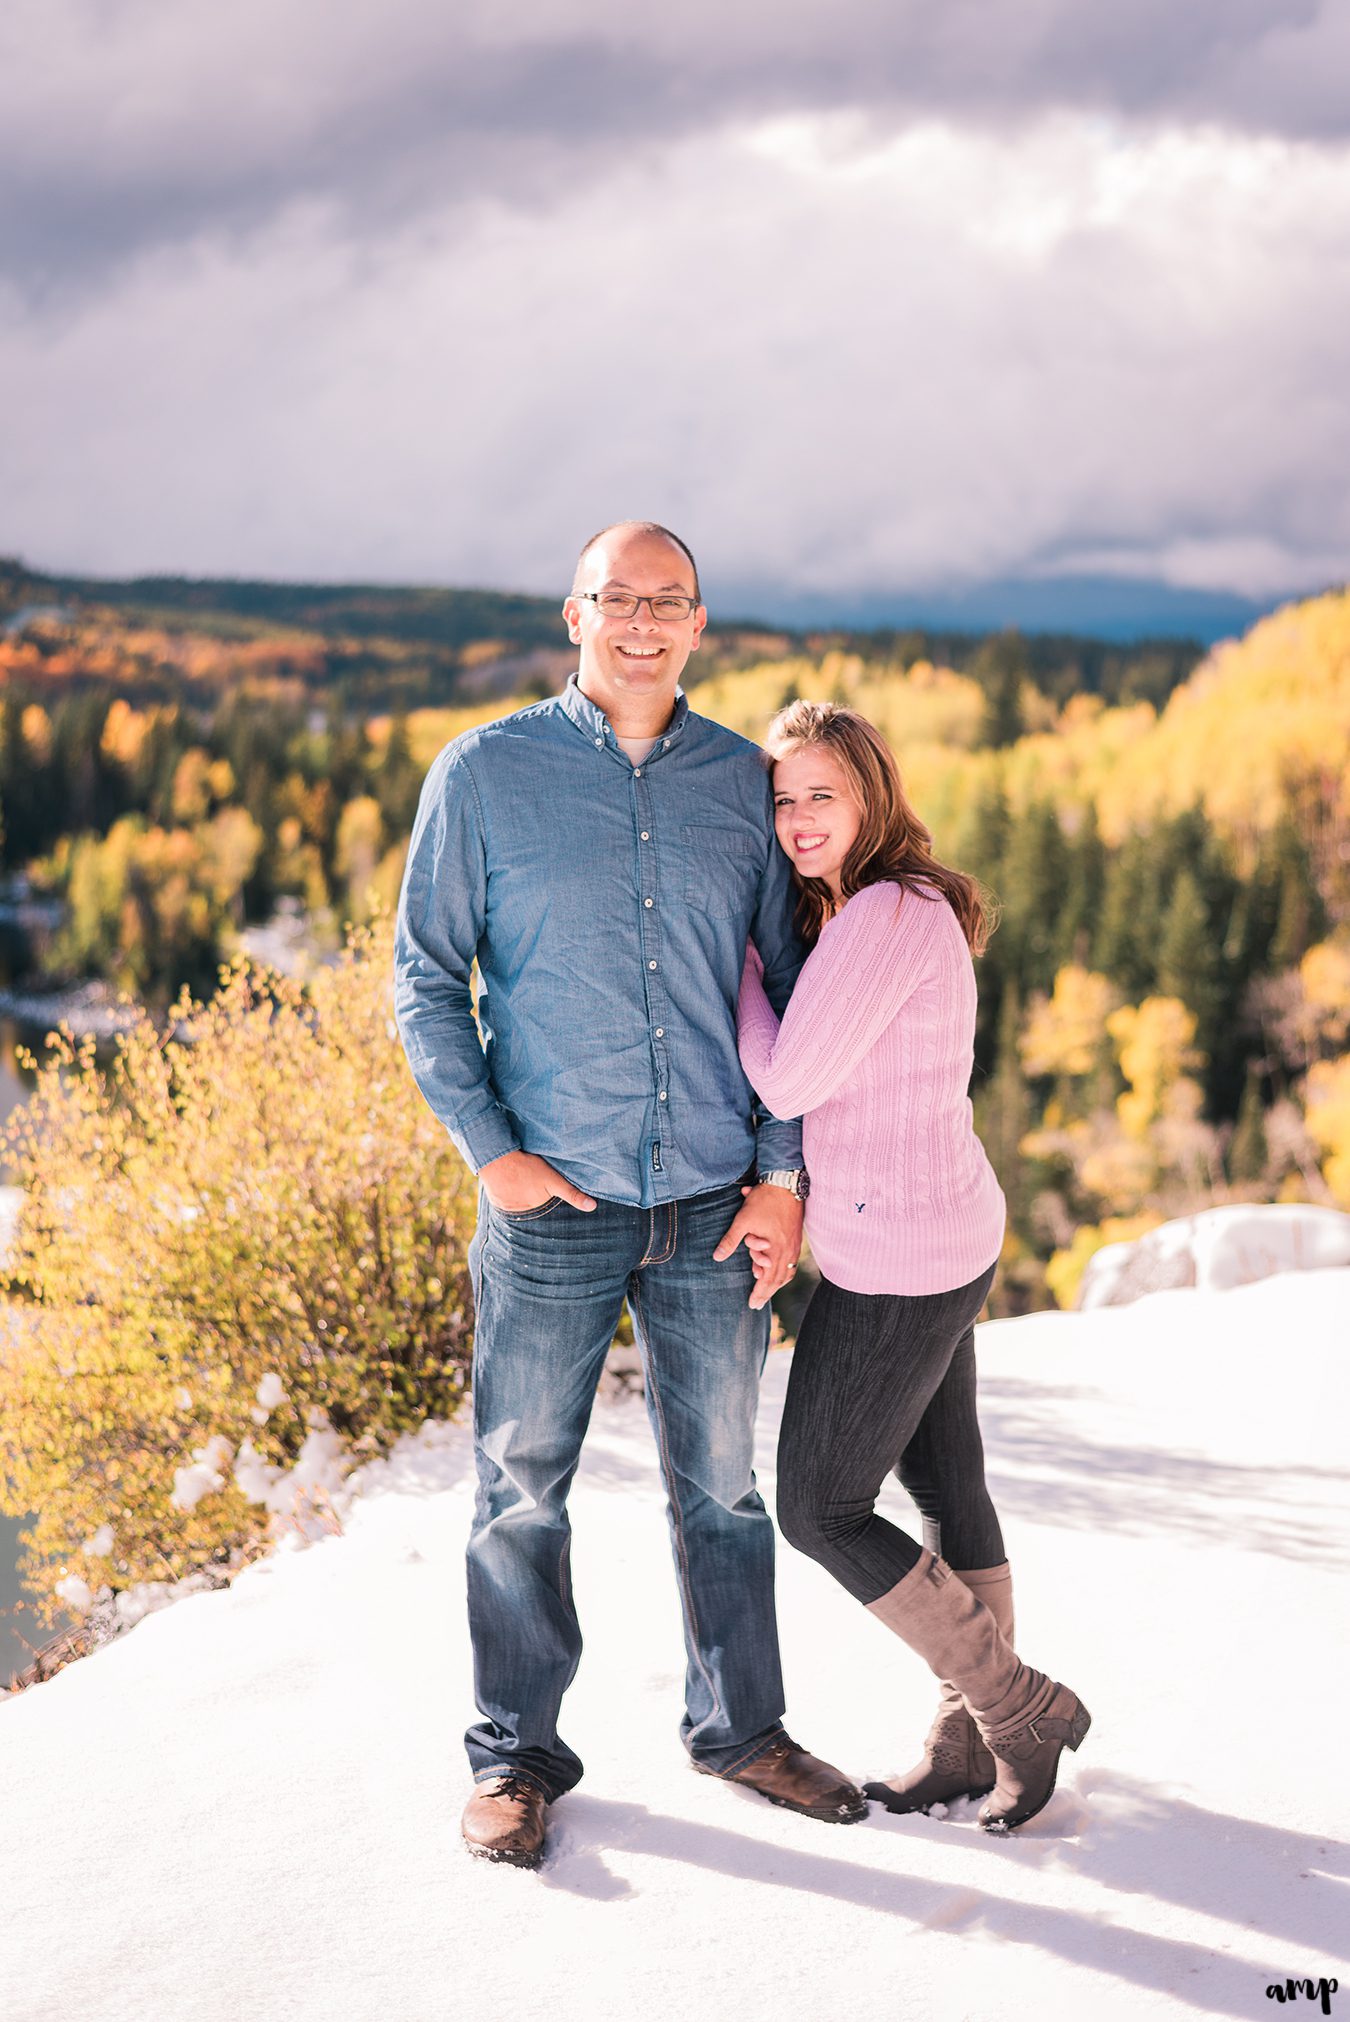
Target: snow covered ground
247, 1807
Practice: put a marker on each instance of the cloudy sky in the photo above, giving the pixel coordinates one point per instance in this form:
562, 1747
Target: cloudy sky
861, 295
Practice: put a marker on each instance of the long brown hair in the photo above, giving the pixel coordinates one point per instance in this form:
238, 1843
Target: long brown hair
892, 843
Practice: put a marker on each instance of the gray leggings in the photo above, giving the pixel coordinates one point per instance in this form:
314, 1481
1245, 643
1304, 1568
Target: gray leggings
882, 1381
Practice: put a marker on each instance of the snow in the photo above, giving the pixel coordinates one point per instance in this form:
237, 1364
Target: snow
11, 1206
75, 1592
1216, 1250
204, 1473
117, 1612
306, 1496
249, 1805
270, 1393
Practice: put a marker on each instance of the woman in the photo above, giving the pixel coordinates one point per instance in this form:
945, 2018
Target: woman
905, 1219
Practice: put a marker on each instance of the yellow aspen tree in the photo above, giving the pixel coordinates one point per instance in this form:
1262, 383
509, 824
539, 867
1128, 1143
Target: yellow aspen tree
1155, 1048
1325, 975
1066, 1033
1329, 1122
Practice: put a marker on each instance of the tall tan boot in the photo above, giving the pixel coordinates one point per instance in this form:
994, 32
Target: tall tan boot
1025, 1719
955, 1762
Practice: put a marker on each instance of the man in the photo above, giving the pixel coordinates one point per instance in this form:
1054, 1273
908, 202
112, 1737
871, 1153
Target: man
604, 856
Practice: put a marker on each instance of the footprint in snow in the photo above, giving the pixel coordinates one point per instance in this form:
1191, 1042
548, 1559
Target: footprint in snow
582, 1873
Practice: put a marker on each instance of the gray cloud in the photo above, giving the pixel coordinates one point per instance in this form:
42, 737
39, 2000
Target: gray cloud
892, 295
833, 360
127, 128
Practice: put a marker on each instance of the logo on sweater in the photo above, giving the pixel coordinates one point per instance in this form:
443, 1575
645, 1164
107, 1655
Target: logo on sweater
859, 1206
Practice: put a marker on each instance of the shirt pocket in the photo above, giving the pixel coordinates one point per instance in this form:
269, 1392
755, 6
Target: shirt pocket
719, 868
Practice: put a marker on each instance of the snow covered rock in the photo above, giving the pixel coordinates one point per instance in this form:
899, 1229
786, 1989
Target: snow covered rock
1216, 1250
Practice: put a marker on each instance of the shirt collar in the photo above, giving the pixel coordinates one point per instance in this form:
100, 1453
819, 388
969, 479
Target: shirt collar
588, 716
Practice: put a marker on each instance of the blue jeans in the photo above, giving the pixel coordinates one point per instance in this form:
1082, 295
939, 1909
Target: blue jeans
550, 1286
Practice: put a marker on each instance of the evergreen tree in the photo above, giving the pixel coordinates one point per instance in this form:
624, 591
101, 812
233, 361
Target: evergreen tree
24, 836
1302, 917
1032, 892
80, 802
1001, 666
1190, 960
1224, 1036
982, 852
1084, 885
1003, 1114
1251, 930
149, 786
1127, 937
398, 782
1248, 1150
984, 841
346, 759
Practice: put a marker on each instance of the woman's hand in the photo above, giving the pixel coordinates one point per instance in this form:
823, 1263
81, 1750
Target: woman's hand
770, 1226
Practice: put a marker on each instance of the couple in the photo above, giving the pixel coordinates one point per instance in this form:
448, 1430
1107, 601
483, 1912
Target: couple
646, 1034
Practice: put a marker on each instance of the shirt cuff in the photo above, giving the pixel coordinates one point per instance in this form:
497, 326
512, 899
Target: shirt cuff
487, 1137
778, 1145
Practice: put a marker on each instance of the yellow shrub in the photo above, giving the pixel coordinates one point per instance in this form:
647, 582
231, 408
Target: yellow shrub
263, 1196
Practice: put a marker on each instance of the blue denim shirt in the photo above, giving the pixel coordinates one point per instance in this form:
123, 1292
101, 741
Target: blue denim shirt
608, 907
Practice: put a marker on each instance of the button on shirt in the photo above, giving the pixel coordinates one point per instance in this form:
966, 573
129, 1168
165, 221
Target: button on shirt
608, 907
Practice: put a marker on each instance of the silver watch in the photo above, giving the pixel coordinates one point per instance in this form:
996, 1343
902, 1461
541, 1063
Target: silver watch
797, 1182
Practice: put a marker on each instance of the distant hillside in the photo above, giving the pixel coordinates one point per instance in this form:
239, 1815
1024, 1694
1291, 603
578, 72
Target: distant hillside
416, 614
1123, 609
380, 648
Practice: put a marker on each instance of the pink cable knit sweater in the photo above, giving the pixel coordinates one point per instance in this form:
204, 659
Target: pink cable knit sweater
874, 1052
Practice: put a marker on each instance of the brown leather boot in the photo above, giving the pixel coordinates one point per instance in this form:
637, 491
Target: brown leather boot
955, 1761
1026, 1720
504, 1821
788, 1775
1028, 1759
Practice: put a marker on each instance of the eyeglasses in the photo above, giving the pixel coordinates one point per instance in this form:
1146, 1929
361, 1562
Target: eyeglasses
619, 604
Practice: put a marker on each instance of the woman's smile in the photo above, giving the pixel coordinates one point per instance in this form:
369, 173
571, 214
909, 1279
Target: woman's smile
816, 816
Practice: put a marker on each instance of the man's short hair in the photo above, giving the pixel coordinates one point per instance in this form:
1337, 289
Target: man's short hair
640, 527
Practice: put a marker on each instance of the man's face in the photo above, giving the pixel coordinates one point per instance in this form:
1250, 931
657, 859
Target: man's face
639, 658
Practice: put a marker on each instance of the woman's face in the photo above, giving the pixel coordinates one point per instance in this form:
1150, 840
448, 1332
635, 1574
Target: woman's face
815, 813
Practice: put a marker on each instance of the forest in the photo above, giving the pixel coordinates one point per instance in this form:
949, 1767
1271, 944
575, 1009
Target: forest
1165, 1002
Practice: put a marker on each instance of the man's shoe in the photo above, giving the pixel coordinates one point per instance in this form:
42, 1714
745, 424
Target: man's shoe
504, 1821
788, 1775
